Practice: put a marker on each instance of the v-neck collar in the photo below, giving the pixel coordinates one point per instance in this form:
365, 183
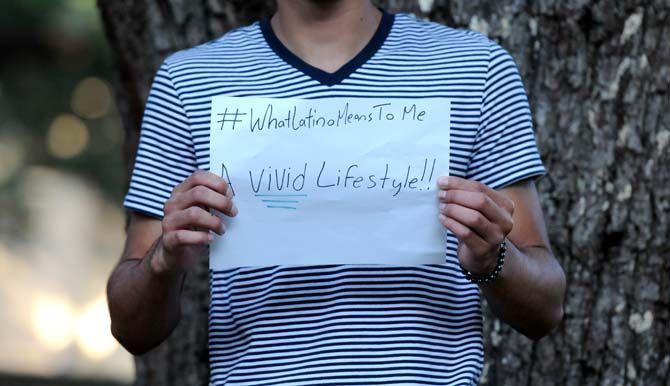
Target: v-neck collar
323, 77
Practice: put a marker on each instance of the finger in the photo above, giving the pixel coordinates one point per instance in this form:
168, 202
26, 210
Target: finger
474, 220
480, 202
183, 237
205, 178
193, 218
202, 196
453, 182
465, 235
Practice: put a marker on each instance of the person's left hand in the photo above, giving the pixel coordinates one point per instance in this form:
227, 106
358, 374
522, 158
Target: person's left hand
479, 216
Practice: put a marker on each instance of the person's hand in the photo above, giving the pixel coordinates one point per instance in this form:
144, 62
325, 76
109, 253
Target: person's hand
187, 222
479, 216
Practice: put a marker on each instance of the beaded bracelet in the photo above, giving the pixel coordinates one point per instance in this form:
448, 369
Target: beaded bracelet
478, 279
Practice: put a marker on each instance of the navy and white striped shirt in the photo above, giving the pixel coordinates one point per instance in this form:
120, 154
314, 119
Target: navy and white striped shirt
343, 324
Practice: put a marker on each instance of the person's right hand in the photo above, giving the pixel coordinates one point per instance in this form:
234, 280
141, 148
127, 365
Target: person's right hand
187, 221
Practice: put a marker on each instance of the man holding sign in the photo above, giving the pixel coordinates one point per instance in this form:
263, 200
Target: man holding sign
359, 179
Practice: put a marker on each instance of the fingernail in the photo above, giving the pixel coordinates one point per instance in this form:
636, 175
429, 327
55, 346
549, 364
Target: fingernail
443, 206
444, 180
233, 210
210, 237
442, 194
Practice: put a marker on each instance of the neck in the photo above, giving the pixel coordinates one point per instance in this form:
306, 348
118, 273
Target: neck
325, 33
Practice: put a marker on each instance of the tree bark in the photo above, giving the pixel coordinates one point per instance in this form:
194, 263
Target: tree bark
598, 77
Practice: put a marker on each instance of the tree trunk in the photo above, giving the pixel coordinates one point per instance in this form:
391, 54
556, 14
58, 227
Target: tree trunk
598, 74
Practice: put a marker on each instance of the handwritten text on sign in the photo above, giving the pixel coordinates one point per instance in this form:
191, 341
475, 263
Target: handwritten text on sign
330, 181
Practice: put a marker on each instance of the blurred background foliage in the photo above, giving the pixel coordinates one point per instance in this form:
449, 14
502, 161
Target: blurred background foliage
62, 181
56, 103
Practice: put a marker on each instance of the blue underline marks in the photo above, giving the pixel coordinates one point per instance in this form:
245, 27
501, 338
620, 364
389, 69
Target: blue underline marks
280, 201
281, 195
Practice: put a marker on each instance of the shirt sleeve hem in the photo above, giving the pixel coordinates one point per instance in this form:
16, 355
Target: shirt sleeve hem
532, 174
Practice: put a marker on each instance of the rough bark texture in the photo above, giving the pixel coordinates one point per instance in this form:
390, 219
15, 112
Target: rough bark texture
598, 75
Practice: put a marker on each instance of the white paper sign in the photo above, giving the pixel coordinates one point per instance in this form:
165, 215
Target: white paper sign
330, 181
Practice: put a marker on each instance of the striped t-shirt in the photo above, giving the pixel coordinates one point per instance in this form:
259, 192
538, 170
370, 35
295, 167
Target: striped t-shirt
343, 324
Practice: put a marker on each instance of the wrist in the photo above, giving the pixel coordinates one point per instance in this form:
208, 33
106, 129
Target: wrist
492, 273
484, 266
158, 261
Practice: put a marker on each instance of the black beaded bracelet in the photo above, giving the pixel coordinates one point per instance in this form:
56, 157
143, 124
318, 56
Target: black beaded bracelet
478, 279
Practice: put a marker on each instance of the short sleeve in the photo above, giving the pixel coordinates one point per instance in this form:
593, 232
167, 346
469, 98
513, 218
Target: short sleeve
505, 150
165, 154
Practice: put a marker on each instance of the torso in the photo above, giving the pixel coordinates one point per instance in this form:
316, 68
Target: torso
344, 323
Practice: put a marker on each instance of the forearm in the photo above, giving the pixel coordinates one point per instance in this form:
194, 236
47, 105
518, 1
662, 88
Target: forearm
144, 306
529, 292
